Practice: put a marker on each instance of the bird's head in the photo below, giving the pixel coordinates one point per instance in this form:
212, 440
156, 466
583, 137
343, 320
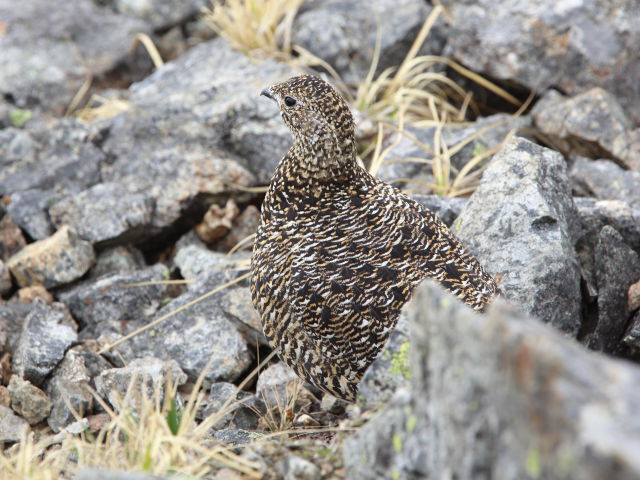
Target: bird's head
316, 114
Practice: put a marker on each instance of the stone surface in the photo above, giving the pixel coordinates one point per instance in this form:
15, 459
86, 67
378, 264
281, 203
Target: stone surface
605, 180
28, 401
198, 334
145, 376
447, 208
571, 45
117, 260
520, 222
59, 156
110, 303
57, 260
591, 124
12, 316
244, 225
160, 14
69, 392
240, 408
88, 473
293, 467
29, 294
47, 53
345, 37
29, 210
276, 384
631, 337
11, 238
190, 138
5, 279
11, 426
594, 215
617, 267
500, 396
44, 339
105, 214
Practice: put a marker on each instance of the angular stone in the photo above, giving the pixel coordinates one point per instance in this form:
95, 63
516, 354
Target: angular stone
47, 53
276, 385
202, 332
29, 294
28, 401
145, 376
60, 156
105, 214
110, 303
617, 268
297, 468
160, 14
232, 408
59, 259
12, 427
591, 124
520, 222
501, 382
447, 208
631, 337
45, 337
29, 210
12, 315
345, 37
605, 180
573, 46
68, 389
117, 260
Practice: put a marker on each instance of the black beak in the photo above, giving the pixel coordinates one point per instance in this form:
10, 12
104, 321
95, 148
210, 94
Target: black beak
266, 93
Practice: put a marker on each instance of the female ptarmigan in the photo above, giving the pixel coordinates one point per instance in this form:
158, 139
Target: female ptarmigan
338, 252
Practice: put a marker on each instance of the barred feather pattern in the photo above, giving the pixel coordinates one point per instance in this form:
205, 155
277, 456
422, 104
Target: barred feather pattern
338, 252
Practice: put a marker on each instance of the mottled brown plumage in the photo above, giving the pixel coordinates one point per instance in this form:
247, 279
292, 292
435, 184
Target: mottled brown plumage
338, 252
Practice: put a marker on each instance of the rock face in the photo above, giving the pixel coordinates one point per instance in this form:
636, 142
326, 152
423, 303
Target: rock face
592, 124
11, 425
605, 180
520, 223
105, 214
570, 45
48, 52
59, 259
522, 402
45, 337
345, 36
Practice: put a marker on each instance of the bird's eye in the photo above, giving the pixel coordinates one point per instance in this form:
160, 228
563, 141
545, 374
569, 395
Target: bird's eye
289, 101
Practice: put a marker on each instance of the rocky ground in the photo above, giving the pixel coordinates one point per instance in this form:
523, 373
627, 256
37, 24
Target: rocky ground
96, 216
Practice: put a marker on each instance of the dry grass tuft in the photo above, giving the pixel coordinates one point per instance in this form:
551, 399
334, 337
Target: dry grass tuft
261, 27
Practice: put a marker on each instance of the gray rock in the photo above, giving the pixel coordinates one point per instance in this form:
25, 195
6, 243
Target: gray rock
447, 208
345, 36
233, 436
68, 389
500, 396
198, 334
110, 303
11, 426
591, 124
12, 315
293, 467
29, 209
46, 335
188, 139
594, 215
232, 409
60, 155
617, 268
28, 401
47, 53
631, 337
389, 372
573, 46
275, 385
160, 14
117, 260
145, 376
105, 214
520, 223
56, 260
605, 180
5, 279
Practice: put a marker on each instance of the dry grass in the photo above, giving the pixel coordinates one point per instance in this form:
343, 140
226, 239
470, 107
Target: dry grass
260, 27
